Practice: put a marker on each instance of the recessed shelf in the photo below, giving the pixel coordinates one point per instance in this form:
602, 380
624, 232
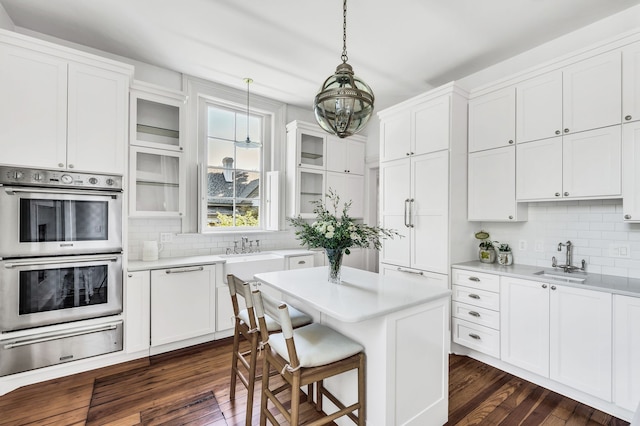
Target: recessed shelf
143, 128
156, 183
310, 155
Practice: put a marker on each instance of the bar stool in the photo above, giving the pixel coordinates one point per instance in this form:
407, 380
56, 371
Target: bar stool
246, 326
306, 356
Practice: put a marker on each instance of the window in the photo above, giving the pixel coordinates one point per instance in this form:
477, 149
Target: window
234, 168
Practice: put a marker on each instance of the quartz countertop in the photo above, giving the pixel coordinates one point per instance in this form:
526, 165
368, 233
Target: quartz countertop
608, 283
362, 295
177, 262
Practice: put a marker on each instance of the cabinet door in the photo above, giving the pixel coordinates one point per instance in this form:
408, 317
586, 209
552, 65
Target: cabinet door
395, 197
355, 157
492, 186
395, 137
592, 163
429, 212
98, 114
631, 171
539, 107
156, 118
631, 82
182, 303
350, 188
492, 120
33, 110
626, 351
431, 126
310, 187
524, 324
581, 338
539, 169
592, 93
345, 156
137, 311
311, 149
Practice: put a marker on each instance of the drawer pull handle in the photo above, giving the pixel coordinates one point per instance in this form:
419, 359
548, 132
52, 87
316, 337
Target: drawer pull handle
474, 314
474, 296
476, 279
301, 262
474, 336
183, 270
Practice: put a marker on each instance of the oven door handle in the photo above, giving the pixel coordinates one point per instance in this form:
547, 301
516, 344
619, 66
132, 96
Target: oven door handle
58, 336
75, 259
109, 194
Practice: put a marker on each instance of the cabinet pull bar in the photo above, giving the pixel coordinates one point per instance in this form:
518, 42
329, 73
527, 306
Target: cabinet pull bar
180, 271
474, 296
58, 336
474, 336
66, 260
410, 271
476, 279
474, 314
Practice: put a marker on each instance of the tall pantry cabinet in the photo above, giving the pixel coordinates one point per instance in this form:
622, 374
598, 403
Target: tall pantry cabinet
423, 185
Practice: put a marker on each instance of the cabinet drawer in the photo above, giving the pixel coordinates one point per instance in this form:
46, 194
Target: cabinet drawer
477, 337
479, 280
476, 297
299, 262
476, 315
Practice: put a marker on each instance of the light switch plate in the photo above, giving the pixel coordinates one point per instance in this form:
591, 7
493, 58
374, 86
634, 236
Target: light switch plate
522, 245
166, 237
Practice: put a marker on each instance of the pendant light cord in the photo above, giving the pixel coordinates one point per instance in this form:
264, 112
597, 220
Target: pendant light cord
249, 81
344, 32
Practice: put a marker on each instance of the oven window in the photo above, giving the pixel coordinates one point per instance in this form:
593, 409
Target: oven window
63, 220
63, 288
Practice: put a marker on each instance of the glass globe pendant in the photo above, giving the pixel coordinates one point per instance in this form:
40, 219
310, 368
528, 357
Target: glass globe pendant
344, 104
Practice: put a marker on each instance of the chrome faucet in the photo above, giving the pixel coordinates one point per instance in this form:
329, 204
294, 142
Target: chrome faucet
567, 267
243, 248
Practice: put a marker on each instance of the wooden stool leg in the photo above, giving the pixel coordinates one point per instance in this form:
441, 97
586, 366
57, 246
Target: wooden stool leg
265, 388
253, 361
319, 388
234, 362
295, 399
362, 411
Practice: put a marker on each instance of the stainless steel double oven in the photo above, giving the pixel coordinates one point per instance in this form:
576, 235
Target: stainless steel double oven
60, 263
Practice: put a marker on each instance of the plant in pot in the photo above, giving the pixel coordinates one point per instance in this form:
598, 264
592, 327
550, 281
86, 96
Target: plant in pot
486, 252
504, 255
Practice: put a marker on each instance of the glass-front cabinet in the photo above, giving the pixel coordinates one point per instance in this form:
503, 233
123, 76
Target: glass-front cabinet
156, 137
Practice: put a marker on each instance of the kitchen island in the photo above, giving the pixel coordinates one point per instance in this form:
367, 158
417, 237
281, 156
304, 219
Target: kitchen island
404, 328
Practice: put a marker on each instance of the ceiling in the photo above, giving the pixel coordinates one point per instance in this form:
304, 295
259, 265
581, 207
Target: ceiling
289, 47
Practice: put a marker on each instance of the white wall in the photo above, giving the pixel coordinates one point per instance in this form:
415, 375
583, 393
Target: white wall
5, 21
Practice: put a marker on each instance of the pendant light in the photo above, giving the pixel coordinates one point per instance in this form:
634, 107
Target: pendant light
248, 143
344, 104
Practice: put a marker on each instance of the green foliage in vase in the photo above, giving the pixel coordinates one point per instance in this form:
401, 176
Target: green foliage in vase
335, 229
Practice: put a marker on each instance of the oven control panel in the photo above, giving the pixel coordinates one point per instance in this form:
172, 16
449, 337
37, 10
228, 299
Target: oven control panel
58, 179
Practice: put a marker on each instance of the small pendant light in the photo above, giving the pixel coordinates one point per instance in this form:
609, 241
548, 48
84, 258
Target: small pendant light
248, 143
344, 104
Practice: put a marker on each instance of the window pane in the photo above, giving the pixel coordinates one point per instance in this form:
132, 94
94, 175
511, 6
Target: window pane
248, 158
248, 185
221, 123
218, 150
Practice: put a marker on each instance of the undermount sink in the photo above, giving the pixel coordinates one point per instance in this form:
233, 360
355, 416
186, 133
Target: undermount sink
249, 257
560, 276
245, 266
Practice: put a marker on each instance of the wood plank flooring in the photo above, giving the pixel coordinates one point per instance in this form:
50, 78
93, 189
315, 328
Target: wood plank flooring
191, 386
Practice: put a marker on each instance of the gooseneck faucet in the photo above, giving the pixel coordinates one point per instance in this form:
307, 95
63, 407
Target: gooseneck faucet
567, 267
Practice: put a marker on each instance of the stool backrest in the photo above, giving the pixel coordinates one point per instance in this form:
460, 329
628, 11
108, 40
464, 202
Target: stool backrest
278, 310
238, 287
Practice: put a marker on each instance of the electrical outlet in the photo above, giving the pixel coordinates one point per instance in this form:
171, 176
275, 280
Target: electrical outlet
522, 245
166, 237
539, 246
620, 250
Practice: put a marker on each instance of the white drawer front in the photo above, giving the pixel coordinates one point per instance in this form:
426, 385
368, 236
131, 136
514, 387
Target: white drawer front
300, 262
477, 315
478, 280
477, 337
476, 297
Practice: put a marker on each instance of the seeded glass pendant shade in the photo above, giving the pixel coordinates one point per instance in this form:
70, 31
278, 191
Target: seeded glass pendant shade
344, 104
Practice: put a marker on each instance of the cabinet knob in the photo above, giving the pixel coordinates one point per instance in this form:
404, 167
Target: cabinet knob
566, 130
558, 132
566, 194
553, 287
60, 165
510, 141
129, 275
71, 166
627, 216
627, 117
408, 154
412, 152
557, 194
510, 217
544, 286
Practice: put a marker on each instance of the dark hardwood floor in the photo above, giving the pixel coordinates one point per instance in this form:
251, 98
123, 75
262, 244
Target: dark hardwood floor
191, 386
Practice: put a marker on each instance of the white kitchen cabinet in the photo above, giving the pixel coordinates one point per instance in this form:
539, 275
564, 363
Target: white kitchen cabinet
631, 83
183, 303
317, 162
563, 167
427, 278
492, 186
492, 120
631, 171
300, 262
157, 184
59, 113
524, 324
626, 351
137, 311
580, 339
592, 93
539, 107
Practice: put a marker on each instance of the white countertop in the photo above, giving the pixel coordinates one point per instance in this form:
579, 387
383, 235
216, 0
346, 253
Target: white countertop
362, 295
176, 262
607, 283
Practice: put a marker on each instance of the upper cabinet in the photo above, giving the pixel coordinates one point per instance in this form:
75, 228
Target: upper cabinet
419, 130
539, 107
631, 83
631, 172
492, 121
156, 155
345, 155
61, 109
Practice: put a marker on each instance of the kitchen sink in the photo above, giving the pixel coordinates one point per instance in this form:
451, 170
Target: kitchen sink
249, 257
245, 266
560, 276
